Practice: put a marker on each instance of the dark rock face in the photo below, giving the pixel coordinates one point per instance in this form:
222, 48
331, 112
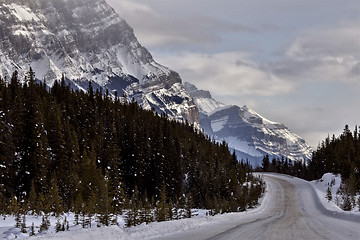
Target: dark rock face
86, 40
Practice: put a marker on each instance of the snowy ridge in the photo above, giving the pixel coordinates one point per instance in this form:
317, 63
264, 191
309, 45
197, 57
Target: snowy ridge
247, 131
203, 99
86, 40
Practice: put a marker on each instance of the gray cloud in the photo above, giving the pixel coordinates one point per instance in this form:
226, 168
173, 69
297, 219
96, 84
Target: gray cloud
340, 41
331, 54
159, 29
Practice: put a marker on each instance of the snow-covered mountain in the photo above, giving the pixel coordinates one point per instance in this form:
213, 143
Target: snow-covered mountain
250, 134
86, 40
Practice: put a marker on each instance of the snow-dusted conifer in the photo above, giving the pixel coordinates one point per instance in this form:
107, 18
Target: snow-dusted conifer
328, 194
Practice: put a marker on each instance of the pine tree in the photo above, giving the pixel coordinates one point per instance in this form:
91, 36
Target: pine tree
45, 223
170, 211
147, 215
55, 202
40, 205
18, 220
84, 222
216, 206
181, 207
91, 208
23, 224
189, 204
32, 230
66, 222
161, 206
132, 215
58, 225
32, 200
104, 207
329, 194
14, 206
266, 163
346, 206
78, 207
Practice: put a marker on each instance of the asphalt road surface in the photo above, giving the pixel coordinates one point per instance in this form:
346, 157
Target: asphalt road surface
291, 211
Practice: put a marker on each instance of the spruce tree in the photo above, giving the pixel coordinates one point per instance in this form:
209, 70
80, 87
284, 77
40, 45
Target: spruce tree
32, 200
147, 212
32, 230
23, 224
189, 205
54, 199
104, 207
18, 222
58, 225
328, 194
45, 223
161, 206
346, 206
78, 207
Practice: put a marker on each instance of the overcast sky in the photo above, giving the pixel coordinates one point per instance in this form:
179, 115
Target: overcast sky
292, 61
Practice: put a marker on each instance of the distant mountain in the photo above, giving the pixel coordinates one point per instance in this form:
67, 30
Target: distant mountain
86, 40
251, 135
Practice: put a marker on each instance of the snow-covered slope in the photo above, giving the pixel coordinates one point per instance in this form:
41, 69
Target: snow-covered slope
203, 99
334, 201
246, 131
86, 40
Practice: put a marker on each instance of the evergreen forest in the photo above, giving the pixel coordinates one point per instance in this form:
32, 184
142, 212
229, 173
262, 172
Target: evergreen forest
93, 154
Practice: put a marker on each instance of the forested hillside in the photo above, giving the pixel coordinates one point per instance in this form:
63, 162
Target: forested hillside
63, 150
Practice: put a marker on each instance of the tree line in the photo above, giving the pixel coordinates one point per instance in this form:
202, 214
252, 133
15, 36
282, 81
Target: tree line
90, 153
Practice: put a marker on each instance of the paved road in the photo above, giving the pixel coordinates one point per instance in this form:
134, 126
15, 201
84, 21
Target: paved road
292, 211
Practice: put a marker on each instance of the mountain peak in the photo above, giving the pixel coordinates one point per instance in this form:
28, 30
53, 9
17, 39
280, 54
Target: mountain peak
247, 132
203, 99
86, 40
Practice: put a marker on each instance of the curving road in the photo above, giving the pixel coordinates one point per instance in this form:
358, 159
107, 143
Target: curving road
291, 211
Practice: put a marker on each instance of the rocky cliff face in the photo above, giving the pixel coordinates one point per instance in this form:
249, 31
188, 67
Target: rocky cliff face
86, 40
250, 134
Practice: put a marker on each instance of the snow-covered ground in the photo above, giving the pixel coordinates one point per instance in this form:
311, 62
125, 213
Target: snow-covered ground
333, 182
143, 231
273, 212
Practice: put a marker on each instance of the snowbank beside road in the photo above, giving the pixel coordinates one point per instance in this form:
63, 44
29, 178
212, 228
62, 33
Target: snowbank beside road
143, 231
155, 229
333, 182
